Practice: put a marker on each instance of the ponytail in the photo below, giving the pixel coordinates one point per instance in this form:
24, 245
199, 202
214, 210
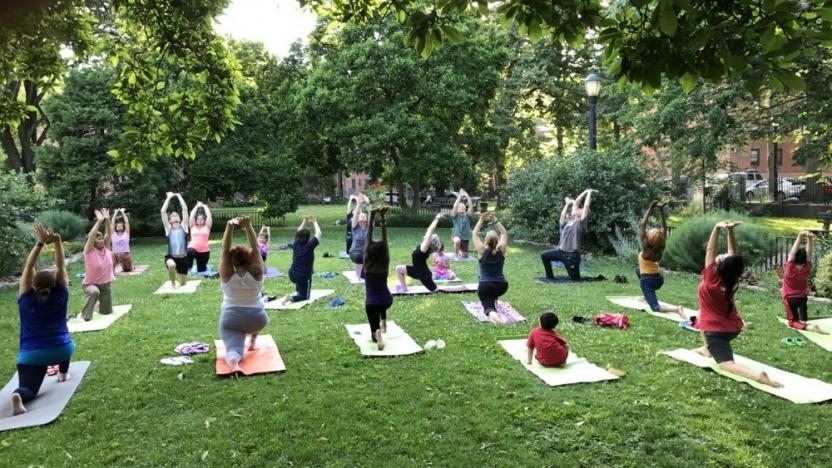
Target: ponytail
491, 241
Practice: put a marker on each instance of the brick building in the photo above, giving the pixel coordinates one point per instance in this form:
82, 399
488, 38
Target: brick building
753, 156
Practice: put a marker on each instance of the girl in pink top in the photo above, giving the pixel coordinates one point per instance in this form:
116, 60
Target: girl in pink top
121, 241
98, 268
200, 232
442, 265
795, 290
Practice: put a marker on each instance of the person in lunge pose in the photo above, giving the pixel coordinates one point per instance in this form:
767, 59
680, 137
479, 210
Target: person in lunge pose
461, 235
377, 297
648, 271
359, 234
200, 230
492, 257
419, 259
98, 268
241, 278
719, 322
121, 241
44, 337
176, 230
795, 290
303, 260
568, 250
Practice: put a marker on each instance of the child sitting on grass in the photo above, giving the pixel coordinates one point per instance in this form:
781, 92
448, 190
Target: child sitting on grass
442, 265
552, 349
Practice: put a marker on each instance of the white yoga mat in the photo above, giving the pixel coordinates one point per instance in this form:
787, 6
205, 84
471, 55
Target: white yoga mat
137, 270
352, 277
188, 288
638, 303
576, 369
50, 402
421, 290
824, 341
796, 388
314, 295
396, 341
98, 322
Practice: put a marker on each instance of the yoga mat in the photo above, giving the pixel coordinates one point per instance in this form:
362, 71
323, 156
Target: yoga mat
566, 279
314, 295
576, 369
98, 322
343, 254
824, 341
638, 303
559, 264
796, 388
137, 270
189, 288
393, 280
352, 277
421, 290
49, 404
266, 358
272, 272
508, 313
822, 300
396, 341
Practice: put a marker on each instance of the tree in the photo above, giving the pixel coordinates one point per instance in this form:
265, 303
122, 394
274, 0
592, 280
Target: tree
754, 41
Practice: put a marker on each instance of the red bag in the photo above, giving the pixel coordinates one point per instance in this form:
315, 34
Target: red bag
609, 319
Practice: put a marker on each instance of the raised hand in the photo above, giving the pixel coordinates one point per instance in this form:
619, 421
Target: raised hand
234, 221
568, 200
41, 234
105, 212
732, 224
169, 194
245, 221
99, 215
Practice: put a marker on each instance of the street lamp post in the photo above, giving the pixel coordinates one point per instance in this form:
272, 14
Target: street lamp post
593, 89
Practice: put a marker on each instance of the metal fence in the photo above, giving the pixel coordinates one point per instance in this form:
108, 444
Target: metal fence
777, 252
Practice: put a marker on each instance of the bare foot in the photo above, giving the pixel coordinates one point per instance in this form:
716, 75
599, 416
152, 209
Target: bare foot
384, 326
681, 311
816, 329
703, 351
234, 365
495, 318
379, 340
63, 377
764, 379
17, 404
253, 344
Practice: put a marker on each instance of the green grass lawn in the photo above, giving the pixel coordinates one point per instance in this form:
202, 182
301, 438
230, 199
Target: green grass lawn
778, 226
467, 405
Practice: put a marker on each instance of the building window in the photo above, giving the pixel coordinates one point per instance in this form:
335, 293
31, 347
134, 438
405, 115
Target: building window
755, 157
779, 156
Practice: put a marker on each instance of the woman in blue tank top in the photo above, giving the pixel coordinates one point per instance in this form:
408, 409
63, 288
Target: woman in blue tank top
492, 257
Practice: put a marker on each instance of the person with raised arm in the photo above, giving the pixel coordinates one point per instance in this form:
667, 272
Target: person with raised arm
200, 229
241, 279
303, 259
176, 231
359, 234
121, 241
263, 240
648, 271
795, 289
572, 226
44, 336
350, 213
462, 211
419, 259
719, 321
492, 258
98, 268
377, 297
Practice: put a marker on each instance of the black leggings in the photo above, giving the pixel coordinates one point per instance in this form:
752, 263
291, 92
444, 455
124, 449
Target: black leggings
30, 378
796, 309
375, 314
201, 260
571, 260
489, 292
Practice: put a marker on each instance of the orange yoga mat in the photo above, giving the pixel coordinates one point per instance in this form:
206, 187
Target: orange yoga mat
266, 358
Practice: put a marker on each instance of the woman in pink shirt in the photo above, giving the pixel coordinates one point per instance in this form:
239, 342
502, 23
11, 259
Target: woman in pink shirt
200, 232
121, 241
98, 268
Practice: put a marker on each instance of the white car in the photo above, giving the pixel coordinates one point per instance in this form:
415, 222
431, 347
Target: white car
785, 191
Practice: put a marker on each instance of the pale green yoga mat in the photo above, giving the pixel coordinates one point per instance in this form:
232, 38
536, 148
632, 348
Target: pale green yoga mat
188, 288
824, 341
98, 322
576, 369
314, 295
396, 341
796, 388
638, 303
51, 401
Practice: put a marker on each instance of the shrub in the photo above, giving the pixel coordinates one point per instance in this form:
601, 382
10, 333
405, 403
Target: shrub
68, 224
688, 241
619, 175
823, 276
626, 243
18, 202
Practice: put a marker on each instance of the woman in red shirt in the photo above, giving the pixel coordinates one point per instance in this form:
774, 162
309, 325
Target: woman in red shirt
719, 322
796, 284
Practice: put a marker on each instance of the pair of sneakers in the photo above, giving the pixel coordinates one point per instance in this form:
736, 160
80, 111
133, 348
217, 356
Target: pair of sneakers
435, 344
620, 279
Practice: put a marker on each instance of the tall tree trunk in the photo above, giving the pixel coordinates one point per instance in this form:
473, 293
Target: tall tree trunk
500, 182
559, 133
773, 186
20, 148
616, 130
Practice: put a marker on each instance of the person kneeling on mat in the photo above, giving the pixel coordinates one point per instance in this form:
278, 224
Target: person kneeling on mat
241, 280
719, 322
176, 230
303, 260
568, 249
98, 269
552, 350
795, 290
648, 270
120, 241
492, 257
44, 336
419, 259
377, 297
461, 233
359, 235
200, 230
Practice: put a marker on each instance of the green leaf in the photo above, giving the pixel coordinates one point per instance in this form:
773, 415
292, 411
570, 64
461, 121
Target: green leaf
688, 82
791, 80
768, 39
453, 34
160, 85
668, 22
131, 79
113, 153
